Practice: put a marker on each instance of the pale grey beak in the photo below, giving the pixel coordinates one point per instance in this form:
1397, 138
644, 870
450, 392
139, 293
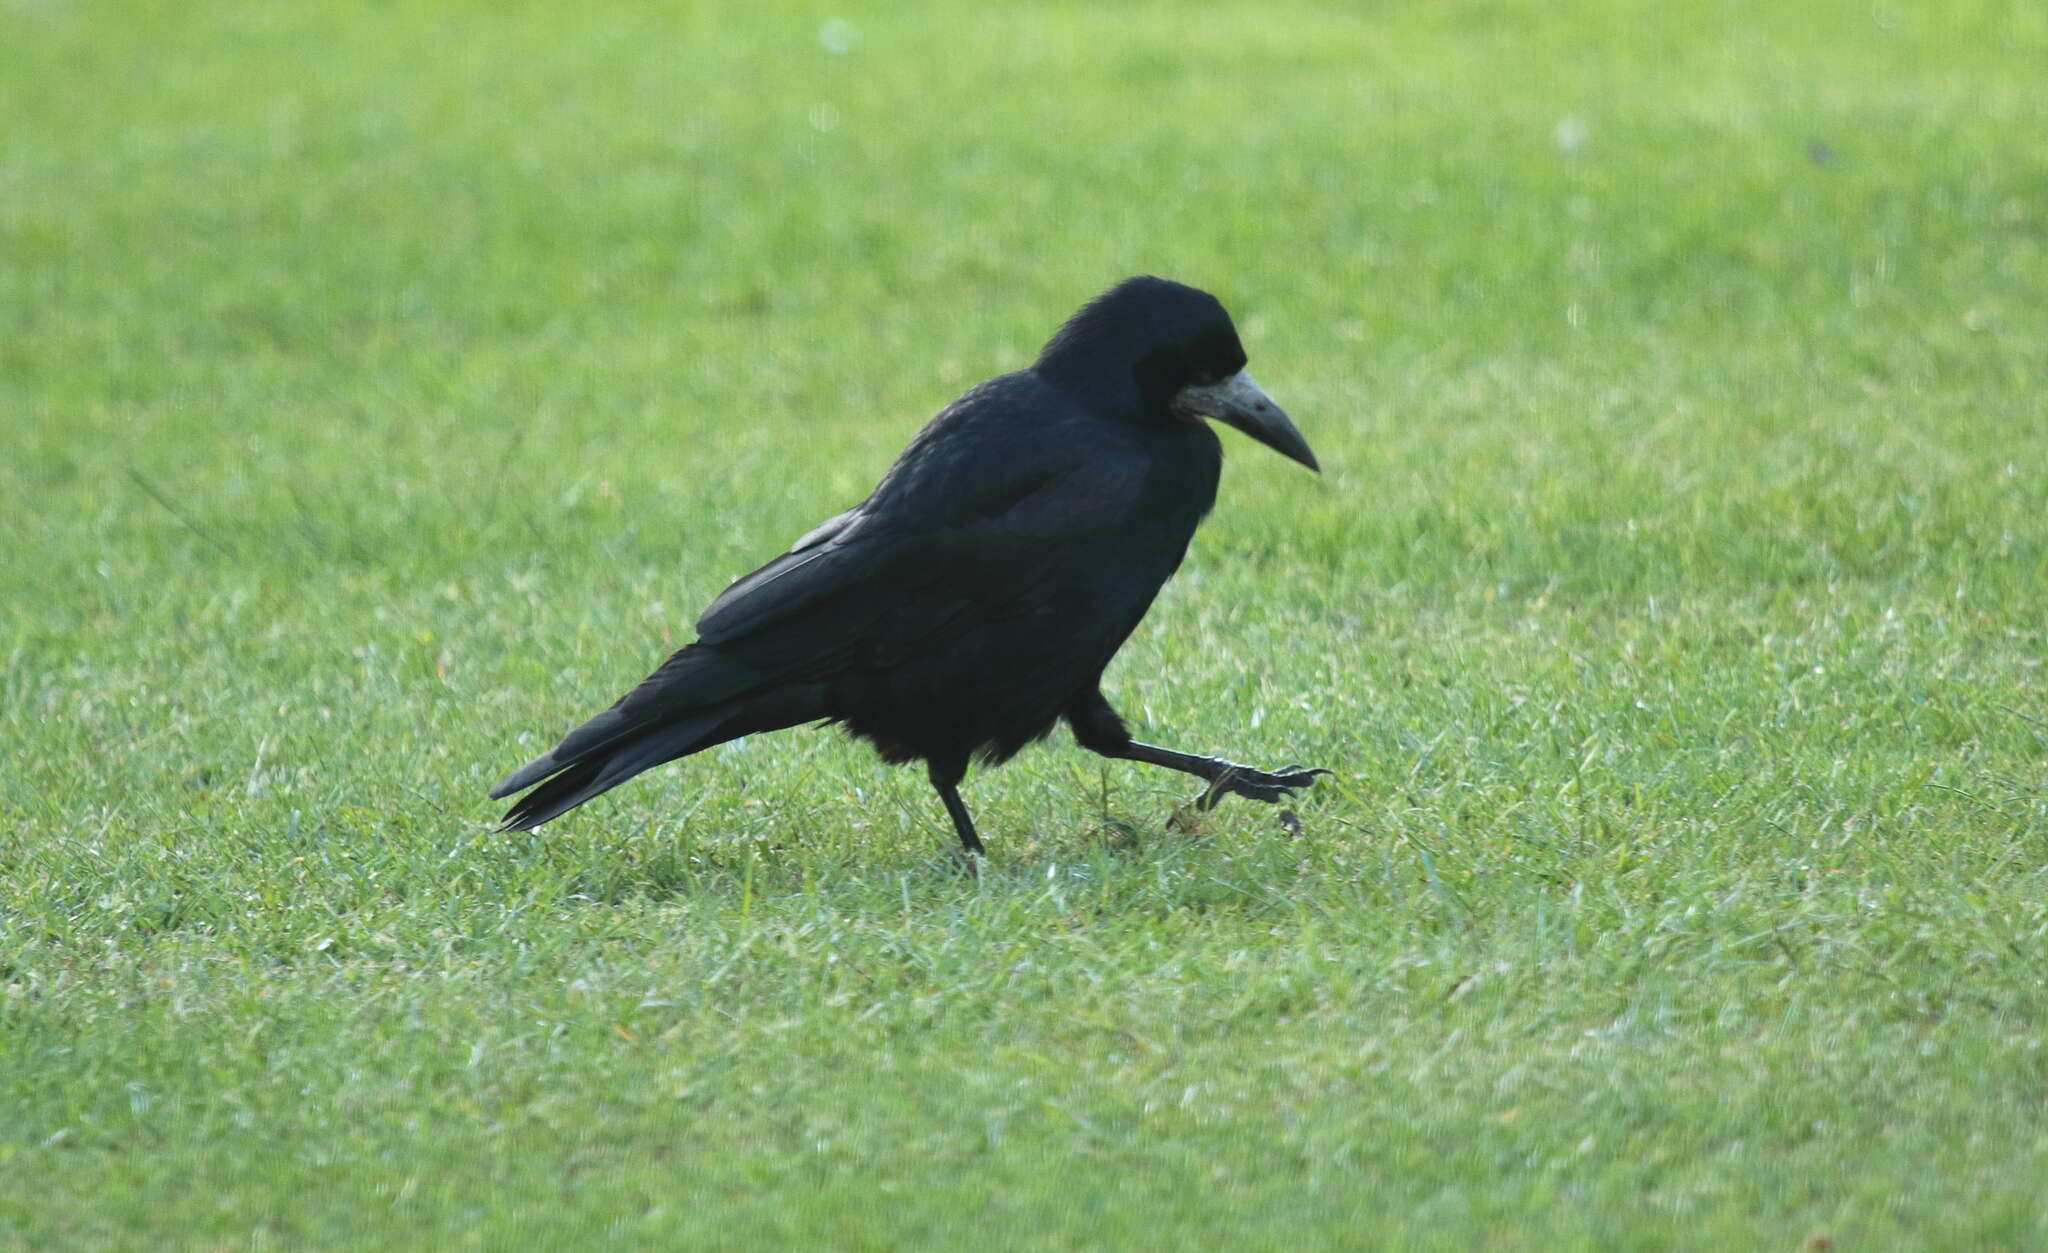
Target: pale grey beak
1243, 404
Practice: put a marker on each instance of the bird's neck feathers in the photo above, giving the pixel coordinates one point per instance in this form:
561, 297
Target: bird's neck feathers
1106, 393
1112, 385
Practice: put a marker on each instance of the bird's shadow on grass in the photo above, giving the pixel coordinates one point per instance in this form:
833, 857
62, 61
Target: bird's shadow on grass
661, 865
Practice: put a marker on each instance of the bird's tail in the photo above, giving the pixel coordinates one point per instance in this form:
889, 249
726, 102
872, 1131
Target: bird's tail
685, 707
602, 770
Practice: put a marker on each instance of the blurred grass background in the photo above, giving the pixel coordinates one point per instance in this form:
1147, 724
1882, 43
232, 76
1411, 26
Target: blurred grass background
385, 387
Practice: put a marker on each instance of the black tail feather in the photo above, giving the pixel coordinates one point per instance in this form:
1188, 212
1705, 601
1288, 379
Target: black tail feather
541, 803
618, 762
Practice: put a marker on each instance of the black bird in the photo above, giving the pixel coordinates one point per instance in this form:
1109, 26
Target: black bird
974, 598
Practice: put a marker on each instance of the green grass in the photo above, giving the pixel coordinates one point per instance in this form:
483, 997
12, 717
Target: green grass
382, 389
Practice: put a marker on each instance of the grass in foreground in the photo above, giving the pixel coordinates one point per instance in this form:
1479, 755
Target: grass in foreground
381, 388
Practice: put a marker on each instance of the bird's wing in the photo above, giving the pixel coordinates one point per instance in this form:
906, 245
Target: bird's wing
778, 587
969, 531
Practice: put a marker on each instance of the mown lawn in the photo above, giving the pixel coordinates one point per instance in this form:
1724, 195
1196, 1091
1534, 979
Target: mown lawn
383, 388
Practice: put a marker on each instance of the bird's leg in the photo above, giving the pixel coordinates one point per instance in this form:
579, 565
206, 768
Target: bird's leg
946, 779
1225, 777
1099, 729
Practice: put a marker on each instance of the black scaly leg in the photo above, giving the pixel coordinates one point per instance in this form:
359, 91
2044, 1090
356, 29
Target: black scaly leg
1100, 730
946, 778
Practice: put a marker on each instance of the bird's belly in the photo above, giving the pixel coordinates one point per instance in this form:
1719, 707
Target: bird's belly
991, 688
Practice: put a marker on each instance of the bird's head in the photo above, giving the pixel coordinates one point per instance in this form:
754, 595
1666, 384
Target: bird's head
1163, 351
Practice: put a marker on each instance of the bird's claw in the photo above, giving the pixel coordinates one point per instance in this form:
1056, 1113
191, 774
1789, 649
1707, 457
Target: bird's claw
1269, 786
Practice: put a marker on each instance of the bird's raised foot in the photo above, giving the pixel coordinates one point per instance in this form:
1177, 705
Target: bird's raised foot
1269, 786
